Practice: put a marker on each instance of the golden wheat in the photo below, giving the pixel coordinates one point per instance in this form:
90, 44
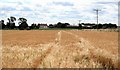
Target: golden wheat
59, 49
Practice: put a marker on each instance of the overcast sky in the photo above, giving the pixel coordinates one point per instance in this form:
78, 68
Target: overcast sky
53, 11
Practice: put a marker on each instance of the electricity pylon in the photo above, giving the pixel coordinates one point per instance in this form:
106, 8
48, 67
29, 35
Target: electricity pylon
97, 12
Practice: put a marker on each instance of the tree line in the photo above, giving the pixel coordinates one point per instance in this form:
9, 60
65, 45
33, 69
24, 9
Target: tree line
97, 26
84, 26
24, 26
59, 25
11, 23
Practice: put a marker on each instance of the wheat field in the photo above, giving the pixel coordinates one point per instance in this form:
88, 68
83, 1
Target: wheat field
59, 49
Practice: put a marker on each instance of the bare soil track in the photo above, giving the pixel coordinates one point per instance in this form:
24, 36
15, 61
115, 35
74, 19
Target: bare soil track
59, 49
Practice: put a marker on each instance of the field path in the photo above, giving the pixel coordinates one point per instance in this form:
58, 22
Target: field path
58, 38
96, 52
59, 55
38, 61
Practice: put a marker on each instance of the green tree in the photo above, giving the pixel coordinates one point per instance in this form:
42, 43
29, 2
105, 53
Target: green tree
2, 25
80, 26
22, 23
11, 22
59, 25
51, 26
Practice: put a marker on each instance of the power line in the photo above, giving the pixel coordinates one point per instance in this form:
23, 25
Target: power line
97, 12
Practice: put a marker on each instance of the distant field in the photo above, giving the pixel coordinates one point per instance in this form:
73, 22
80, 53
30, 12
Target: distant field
59, 49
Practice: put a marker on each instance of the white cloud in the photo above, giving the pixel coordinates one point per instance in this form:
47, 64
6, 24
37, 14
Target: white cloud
47, 11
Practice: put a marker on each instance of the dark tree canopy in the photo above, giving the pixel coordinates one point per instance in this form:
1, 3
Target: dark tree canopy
2, 25
22, 20
11, 23
12, 19
22, 23
61, 25
34, 26
51, 26
80, 26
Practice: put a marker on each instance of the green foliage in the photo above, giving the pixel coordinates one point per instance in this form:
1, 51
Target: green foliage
22, 23
11, 23
2, 25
